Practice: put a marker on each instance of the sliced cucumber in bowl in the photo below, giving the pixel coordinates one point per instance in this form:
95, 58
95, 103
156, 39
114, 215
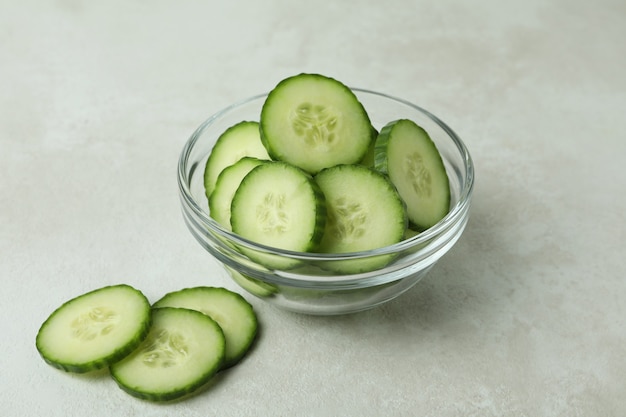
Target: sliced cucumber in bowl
280, 206
225, 187
314, 122
239, 140
405, 152
365, 212
252, 285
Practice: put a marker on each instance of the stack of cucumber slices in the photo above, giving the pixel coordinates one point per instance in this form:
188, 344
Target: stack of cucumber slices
314, 175
157, 352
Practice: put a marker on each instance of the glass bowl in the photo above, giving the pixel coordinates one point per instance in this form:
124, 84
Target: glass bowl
312, 284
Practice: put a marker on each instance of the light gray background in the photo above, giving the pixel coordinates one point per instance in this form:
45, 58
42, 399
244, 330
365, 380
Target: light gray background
524, 317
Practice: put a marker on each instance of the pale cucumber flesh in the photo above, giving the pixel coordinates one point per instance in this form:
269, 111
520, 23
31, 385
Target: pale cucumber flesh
95, 329
227, 183
405, 152
365, 212
314, 122
183, 350
240, 140
230, 310
280, 206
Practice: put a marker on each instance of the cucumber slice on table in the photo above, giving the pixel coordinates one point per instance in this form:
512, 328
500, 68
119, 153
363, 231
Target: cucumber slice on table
227, 183
230, 310
406, 153
281, 206
182, 351
94, 330
314, 122
364, 212
239, 140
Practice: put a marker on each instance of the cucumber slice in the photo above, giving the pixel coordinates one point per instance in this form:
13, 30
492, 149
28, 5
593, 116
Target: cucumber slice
239, 140
368, 159
406, 153
409, 233
94, 330
314, 122
364, 212
227, 183
230, 310
252, 285
281, 206
182, 351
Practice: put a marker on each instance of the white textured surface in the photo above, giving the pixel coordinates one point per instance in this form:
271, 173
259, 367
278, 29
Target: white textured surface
524, 317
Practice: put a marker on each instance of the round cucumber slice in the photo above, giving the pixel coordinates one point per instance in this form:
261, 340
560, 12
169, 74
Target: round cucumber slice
364, 212
239, 140
227, 183
314, 122
230, 310
95, 330
183, 350
281, 206
406, 153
